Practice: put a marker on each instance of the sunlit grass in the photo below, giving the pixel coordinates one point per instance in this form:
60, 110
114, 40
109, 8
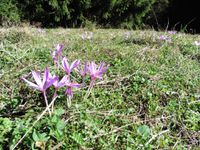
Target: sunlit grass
149, 97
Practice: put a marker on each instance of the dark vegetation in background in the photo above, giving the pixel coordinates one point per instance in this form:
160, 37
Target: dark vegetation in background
176, 14
184, 14
9, 13
159, 14
74, 13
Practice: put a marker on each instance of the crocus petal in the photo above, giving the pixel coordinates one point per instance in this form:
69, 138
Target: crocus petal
75, 85
66, 65
92, 68
55, 84
69, 92
60, 84
31, 84
85, 67
74, 64
104, 69
59, 47
82, 71
97, 75
49, 83
63, 81
54, 54
46, 76
57, 54
101, 66
37, 78
50, 76
85, 70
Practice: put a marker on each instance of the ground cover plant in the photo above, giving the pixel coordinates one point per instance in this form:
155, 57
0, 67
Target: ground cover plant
148, 98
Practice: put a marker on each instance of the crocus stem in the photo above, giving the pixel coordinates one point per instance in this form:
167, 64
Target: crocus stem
89, 89
34, 123
45, 98
54, 95
69, 101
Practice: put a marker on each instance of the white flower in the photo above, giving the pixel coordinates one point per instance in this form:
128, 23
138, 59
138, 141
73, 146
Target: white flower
127, 35
197, 43
87, 35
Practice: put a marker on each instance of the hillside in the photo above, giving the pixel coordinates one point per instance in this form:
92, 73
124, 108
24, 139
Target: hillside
148, 98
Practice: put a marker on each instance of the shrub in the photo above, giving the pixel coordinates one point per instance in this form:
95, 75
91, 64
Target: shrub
157, 16
51, 13
9, 13
74, 13
127, 13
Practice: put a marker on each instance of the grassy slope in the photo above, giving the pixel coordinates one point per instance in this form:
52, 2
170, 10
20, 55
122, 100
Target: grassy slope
149, 94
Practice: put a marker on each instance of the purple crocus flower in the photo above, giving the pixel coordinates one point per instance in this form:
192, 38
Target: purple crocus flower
71, 85
97, 73
164, 38
68, 68
57, 54
41, 85
83, 70
57, 84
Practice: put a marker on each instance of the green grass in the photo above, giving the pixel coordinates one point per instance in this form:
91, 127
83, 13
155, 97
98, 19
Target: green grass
149, 98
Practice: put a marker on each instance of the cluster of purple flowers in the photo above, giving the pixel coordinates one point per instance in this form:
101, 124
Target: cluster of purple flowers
164, 38
57, 54
167, 38
89, 68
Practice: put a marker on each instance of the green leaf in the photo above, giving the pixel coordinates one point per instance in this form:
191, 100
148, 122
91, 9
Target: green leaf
78, 138
39, 136
43, 137
144, 131
59, 112
54, 119
35, 136
60, 125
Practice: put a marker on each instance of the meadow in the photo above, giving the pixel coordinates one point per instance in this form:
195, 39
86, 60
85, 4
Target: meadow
149, 97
